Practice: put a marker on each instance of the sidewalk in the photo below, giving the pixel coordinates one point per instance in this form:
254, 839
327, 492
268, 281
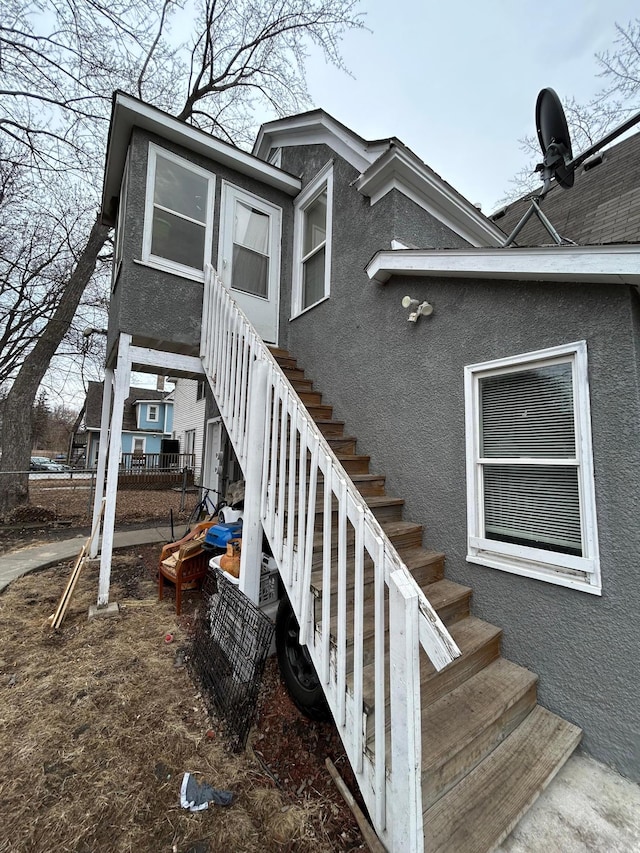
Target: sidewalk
17, 563
587, 808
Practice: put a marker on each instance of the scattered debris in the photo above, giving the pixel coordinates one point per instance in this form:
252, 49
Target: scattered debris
196, 796
55, 620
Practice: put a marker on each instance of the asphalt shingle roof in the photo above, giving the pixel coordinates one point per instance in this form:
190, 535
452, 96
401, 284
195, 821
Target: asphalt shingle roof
94, 406
602, 207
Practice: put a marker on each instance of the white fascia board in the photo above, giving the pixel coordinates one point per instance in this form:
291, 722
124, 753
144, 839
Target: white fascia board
593, 264
318, 128
398, 169
129, 112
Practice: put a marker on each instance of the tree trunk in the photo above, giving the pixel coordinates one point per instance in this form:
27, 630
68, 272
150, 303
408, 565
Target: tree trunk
16, 422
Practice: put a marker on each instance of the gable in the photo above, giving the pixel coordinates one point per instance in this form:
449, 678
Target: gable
383, 165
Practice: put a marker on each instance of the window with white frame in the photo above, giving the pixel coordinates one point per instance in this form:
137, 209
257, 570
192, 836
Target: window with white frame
530, 485
190, 441
178, 221
312, 242
152, 413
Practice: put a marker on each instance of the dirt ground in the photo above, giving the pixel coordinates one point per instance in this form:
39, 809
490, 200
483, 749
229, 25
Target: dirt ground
99, 720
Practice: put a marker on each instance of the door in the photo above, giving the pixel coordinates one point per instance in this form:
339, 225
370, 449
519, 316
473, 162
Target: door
213, 456
249, 256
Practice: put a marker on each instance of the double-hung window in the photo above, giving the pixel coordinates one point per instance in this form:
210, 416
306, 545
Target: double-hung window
530, 486
312, 242
152, 413
178, 221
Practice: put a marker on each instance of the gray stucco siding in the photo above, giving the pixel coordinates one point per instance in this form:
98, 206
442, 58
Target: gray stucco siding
359, 230
157, 307
399, 388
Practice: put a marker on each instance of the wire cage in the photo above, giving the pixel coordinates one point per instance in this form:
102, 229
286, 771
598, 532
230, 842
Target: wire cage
230, 646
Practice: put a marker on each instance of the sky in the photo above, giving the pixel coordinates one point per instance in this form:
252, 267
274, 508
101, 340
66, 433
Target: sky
457, 81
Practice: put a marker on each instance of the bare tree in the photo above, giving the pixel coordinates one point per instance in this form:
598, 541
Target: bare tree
588, 122
60, 62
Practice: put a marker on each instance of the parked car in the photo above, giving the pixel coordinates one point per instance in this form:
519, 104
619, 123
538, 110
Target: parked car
41, 463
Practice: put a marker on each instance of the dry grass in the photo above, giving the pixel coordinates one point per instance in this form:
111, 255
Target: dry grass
70, 500
98, 725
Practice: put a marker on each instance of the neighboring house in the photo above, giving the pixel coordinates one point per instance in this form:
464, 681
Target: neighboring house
189, 418
148, 419
506, 424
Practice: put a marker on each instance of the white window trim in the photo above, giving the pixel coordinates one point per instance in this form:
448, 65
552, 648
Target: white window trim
164, 263
119, 238
580, 573
141, 438
157, 417
322, 181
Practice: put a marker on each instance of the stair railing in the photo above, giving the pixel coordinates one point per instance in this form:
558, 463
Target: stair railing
314, 519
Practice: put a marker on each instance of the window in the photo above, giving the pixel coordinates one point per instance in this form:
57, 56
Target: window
200, 390
178, 215
312, 242
152, 414
530, 487
250, 264
138, 445
190, 441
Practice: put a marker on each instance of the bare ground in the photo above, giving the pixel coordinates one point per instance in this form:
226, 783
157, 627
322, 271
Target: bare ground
99, 720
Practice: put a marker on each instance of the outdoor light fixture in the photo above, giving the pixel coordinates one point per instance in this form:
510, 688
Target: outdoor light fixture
418, 309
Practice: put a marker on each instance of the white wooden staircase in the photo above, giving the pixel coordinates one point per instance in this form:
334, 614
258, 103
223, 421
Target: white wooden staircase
445, 737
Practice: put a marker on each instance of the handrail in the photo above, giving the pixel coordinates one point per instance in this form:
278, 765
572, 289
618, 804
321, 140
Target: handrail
298, 462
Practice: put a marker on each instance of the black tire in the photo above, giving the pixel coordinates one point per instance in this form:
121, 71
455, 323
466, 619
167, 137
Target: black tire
296, 666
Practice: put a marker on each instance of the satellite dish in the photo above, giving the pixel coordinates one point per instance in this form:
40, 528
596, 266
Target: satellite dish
555, 142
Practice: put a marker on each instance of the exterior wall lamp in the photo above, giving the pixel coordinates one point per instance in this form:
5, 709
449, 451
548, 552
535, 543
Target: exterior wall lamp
418, 309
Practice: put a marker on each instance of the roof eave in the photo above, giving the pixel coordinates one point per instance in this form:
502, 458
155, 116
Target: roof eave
398, 169
318, 127
615, 264
128, 112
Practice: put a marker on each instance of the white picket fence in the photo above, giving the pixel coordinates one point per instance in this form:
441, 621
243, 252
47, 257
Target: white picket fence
313, 516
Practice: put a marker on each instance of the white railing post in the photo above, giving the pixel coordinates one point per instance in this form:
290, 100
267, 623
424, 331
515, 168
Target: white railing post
251, 555
123, 376
406, 729
103, 447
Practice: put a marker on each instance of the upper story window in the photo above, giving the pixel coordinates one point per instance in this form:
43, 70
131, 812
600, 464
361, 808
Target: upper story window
312, 242
200, 390
530, 486
152, 414
178, 220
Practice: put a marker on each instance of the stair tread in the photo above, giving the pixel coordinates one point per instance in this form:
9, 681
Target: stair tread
444, 593
372, 501
471, 635
454, 721
481, 810
416, 557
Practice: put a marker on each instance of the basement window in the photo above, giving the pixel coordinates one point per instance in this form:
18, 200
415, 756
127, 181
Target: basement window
530, 485
178, 222
312, 242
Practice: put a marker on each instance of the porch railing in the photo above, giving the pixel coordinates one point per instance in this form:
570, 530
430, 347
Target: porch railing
367, 629
134, 463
